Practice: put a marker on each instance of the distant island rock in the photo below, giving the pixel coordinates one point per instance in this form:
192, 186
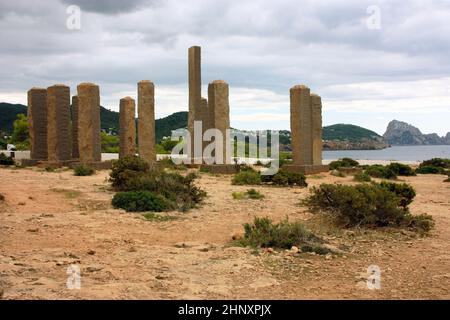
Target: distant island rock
400, 133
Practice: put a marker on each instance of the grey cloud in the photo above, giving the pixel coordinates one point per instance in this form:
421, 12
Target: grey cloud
109, 6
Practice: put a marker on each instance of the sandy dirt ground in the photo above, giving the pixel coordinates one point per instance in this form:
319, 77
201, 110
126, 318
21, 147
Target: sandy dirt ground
51, 220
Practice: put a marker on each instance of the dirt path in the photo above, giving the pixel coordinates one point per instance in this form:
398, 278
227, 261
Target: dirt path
52, 219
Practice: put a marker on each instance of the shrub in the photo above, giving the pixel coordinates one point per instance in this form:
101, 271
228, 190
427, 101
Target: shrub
247, 177
238, 195
448, 179
127, 169
135, 201
429, 170
249, 194
286, 178
369, 205
82, 170
284, 235
134, 174
5, 160
401, 169
379, 171
362, 177
403, 191
436, 162
344, 162
423, 222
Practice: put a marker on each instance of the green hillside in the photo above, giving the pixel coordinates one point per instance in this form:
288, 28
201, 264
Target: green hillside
348, 132
8, 113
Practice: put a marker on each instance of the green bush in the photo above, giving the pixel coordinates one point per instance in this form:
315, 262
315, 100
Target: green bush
434, 166
362, 177
436, 162
83, 170
367, 205
247, 177
401, 169
344, 162
430, 170
249, 194
134, 174
448, 179
5, 160
284, 235
137, 201
380, 171
125, 170
285, 178
403, 191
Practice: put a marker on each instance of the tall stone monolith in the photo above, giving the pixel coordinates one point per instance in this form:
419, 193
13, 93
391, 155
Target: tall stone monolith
89, 143
58, 123
195, 93
74, 111
316, 115
37, 123
146, 120
218, 102
127, 129
306, 132
301, 134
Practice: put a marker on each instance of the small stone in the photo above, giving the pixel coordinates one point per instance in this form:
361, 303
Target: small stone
21, 203
294, 249
93, 269
91, 252
33, 230
132, 249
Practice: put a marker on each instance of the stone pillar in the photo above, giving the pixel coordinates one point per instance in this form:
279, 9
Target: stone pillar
89, 143
74, 110
146, 121
301, 135
195, 91
316, 115
37, 123
220, 108
127, 129
58, 123
306, 132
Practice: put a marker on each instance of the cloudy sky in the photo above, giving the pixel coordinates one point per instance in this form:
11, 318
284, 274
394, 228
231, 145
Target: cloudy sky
371, 61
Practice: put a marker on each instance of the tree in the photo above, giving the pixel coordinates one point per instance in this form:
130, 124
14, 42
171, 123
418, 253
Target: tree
20, 136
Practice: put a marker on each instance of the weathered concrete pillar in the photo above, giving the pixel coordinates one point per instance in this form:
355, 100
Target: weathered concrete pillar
301, 117
74, 110
195, 92
37, 123
89, 143
146, 120
316, 115
306, 132
218, 102
127, 129
58, 123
